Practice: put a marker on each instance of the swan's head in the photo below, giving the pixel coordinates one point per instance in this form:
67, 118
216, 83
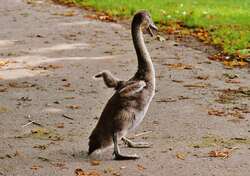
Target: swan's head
143, 18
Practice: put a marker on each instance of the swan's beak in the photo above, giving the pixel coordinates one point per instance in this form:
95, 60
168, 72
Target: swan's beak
152, 29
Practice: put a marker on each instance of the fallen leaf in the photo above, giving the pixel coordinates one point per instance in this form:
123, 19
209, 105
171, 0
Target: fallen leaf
73, 106
42, 134
235, 63
201, 34
236, 114
40, 131
3, 63
160, 38
217, 57
42, 147
239, 139
33, 2
233, 81
67, 85
36, 167
217, 153
59, 165
216, 112
102, 17
13, 53
69, 98
3, 109
197, 85
231, 75
80, 172
140, 167
108, 170
177, 81
60, 125
47, 67
43, 159
67, 14
23, 84
204, 77
179, 66
181, 156
166, 100
68, 3
95, 162
3, 89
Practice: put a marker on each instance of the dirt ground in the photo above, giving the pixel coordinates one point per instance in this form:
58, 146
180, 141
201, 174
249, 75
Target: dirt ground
49, 54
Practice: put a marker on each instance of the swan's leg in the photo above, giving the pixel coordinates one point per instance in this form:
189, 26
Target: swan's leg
109, 79
117, 153
132, 144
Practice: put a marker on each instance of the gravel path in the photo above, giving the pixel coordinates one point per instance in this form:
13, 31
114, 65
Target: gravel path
48, 55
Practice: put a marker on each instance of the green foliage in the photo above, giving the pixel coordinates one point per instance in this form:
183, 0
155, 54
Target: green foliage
228, 21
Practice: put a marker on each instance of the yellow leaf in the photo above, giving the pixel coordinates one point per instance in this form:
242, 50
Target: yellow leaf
3, 109
95, 162
181, 156
180, 66
3, 63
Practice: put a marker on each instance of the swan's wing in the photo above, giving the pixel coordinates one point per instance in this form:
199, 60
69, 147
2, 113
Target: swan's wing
132, 89
109, 79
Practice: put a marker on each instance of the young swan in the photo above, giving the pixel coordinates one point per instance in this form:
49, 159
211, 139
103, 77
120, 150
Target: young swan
127, 107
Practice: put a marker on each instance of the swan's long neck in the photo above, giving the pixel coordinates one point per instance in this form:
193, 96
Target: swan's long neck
145, 66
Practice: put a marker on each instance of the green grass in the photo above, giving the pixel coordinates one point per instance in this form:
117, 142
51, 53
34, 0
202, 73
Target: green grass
228, 21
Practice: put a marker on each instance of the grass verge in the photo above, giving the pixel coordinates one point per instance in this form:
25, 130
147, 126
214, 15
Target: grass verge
227, 22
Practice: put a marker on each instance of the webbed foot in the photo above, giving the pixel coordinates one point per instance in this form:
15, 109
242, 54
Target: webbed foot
132, 144
119, 156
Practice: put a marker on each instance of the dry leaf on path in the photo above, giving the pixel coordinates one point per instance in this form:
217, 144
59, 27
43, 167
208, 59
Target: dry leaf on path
42, 134
67, 85
101, 17
181, 156
180, 66
59, 165
216, 112
73, 106
177, 81
95, 162
166, 100
43, 159
160, 38
233, 81
3, 109
216, 153
235, 63
197, 85
202, 77
60, 125
80, 172
23, 84
4, 89
50, 66
3, 63
36, 167
231, 75
67, 13
41, 147
140, 167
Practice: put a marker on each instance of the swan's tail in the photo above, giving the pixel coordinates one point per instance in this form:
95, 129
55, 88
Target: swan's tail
98, 140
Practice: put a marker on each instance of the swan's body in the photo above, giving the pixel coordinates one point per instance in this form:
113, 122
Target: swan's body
126, 109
